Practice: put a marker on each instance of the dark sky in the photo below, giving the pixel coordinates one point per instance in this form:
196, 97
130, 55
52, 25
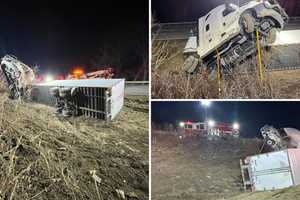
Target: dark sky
191, 10
63, 34
250, 115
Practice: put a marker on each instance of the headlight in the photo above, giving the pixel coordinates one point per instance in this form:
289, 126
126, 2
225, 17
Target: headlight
236, 126
181, 124
211, 123
49, 78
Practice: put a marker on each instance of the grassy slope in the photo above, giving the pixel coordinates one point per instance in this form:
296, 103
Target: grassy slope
284, 83
198, 169
44, 157
286, 194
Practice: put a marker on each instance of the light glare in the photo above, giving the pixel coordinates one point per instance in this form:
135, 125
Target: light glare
181, 124
211, 123
205, 103
49, 78
236, 126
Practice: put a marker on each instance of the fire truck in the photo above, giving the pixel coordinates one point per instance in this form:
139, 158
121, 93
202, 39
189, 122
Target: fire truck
209, 129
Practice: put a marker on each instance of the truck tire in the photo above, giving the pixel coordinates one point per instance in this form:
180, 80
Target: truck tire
213, 72
66, 113
13, 94
270, 142
54, 91
190, 65
64, 92
271, 37
248, 22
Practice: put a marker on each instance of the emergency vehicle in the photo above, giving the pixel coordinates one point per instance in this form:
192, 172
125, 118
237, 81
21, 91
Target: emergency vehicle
209, 129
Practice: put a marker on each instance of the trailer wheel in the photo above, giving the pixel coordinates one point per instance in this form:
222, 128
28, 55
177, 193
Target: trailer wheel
58, 110
270, 142
54, 91
13, 94
66, 113
64, 92
248, 22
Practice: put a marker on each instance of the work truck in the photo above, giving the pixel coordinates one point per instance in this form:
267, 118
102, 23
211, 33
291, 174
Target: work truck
229, 34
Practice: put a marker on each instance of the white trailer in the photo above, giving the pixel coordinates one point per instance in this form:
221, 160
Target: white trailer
96, 98
270, 171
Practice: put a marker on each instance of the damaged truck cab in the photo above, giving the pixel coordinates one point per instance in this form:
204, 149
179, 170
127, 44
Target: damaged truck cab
230, 30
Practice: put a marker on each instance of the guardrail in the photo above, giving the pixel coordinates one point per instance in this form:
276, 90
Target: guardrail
183, 30
137, 82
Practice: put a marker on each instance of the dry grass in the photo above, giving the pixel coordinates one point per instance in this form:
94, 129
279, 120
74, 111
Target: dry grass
170, 81
43, 157
248, 85
196, 168
3, 84
179, 86
241, 85
163, 52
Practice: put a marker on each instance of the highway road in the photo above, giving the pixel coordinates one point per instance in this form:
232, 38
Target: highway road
137, 89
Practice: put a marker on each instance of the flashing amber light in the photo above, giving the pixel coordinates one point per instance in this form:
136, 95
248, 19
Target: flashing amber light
78, 73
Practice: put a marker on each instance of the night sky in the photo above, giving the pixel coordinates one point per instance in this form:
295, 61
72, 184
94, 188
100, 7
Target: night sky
250, 115
60, 35
191, 10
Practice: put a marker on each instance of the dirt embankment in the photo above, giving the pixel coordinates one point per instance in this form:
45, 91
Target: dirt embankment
43, 157
285, 194
196, 168
289, 82
200, 169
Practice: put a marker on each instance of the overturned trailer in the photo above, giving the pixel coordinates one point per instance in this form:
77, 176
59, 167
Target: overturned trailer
278, 169
96, 98
270, 171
